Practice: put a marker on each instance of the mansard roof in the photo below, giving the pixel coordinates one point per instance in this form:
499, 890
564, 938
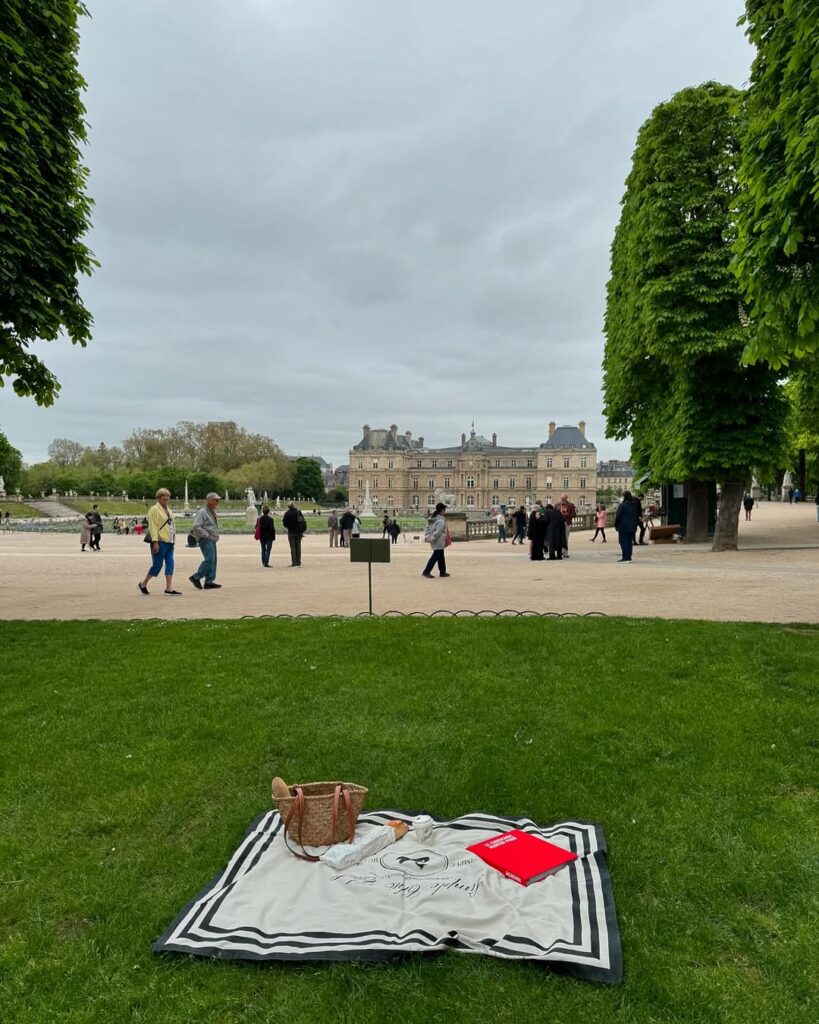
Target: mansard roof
567, 437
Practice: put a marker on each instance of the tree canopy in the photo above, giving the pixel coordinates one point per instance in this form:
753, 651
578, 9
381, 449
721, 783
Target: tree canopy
307, 479
672, 373
11, 463
44, 207
777, 246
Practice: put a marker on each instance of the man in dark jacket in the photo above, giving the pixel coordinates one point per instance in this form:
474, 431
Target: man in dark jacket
520, 525
294, 522
625, 523
267, 534
641, 526
537, 533
555, 532
346, 524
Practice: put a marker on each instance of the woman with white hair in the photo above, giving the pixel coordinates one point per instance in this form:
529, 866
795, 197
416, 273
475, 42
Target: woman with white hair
162, 535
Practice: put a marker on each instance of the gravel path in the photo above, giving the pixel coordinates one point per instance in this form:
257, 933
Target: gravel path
774, 577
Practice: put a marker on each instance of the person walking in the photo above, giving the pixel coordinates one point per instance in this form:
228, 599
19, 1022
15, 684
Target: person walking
816, 501
385, 526
206, 531
162, 532
332, 528
625, 523
520, 525
641, 526
96, 528
395, 530
748, 505
500, 522
267, 534
437, 536
85, 533
568, 511
296, 525
355, 529
599, 523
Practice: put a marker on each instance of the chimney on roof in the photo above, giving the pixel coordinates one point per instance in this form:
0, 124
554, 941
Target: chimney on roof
494, 440
366, 429
420, 442
582, 427
408, 435
552, 428
463, 440
393, 430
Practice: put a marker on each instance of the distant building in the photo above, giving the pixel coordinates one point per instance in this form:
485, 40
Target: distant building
616, 475
477, 474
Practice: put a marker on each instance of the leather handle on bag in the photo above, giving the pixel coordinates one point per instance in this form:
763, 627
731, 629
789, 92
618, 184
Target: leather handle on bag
298, 807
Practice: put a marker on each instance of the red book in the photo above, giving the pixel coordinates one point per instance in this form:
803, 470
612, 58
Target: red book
521, 856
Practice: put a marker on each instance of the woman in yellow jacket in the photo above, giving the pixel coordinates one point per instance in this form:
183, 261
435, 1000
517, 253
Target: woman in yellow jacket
162, 532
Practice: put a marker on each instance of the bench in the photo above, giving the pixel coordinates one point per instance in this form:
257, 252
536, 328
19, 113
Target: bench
663, 534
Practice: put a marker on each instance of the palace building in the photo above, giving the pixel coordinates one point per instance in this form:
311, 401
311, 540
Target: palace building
401, 473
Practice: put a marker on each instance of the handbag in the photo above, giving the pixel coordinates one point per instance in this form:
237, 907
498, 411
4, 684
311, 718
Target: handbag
448, 540
320, 814
258, 534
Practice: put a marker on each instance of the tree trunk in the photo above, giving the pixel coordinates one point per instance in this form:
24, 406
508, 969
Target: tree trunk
696, 512
726, 535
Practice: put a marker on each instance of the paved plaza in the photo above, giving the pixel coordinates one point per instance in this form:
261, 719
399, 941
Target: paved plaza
773, 578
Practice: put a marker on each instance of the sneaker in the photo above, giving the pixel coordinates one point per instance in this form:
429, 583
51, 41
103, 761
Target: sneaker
213, 586
197, 583
143, 588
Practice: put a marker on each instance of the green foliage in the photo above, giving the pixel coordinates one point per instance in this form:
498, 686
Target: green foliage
44, 211
673, 379
211, 447
136, 753
272, 475
11, 463
802, 389
777, 244
307, 479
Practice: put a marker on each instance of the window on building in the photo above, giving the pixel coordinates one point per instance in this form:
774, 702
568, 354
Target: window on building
512, 482
430, 499
415, 483
512, 500
391, 464
375, 463
565, 481
550, 463
496, 482
496, 499
497, 462
528, 483
530, 463
431, 483
390, 502
389, 481
548, 483
582, 499
449, 463
375, 482
360, 463
514, 463
566, 461
446, 482
434, 463
360, 482
584, 462
415, 501
418, 463
470, 481
470, 501
582, 481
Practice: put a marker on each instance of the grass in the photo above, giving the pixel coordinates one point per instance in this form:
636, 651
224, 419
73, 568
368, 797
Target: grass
136, 753
19, 510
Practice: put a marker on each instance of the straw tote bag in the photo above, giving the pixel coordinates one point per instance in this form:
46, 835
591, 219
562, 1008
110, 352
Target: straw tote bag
320, 814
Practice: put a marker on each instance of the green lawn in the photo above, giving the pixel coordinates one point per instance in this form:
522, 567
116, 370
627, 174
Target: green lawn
19, 510
134, 754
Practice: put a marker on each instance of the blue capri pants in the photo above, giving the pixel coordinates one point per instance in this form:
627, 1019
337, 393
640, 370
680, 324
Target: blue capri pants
165, 554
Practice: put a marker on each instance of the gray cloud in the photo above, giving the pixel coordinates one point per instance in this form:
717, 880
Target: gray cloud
312, 215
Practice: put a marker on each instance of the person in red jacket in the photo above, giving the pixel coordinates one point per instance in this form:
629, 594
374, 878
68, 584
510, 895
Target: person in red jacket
568, 512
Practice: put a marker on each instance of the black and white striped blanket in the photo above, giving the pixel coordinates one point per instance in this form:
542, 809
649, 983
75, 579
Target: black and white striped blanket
410, 898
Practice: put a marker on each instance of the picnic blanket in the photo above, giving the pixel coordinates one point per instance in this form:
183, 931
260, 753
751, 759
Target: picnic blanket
409, 898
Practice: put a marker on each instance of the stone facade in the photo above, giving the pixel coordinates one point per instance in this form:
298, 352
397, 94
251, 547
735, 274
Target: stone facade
615, 475
477, 474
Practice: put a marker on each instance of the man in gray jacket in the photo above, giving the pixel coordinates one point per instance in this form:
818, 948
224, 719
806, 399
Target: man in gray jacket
206, 532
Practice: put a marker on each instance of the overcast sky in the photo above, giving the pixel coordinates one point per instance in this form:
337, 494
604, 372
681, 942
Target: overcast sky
315, 214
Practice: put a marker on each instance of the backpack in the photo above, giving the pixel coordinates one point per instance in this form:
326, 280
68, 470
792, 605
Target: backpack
301, 523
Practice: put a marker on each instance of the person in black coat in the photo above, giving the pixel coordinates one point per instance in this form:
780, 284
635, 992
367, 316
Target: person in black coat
625, 523
637, 499
555, 532
537, 533
267, 534
294, 522
346, 524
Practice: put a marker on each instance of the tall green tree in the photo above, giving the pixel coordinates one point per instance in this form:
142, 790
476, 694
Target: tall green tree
44, 208
307, 480
11, 463
777, 245
673, 379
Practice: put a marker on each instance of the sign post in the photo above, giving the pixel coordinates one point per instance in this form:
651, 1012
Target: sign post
369, 551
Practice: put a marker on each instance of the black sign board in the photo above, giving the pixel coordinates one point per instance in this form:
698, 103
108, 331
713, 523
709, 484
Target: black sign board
369, 551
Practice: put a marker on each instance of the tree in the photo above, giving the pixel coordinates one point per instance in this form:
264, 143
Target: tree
66, 452
672, 373
777, 245
307, 479
45, 209
11, 463
271, 475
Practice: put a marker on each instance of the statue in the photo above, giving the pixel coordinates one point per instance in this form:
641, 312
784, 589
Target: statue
2, 487
251, 512
278, 503
367, 507
447, 499
787, 484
